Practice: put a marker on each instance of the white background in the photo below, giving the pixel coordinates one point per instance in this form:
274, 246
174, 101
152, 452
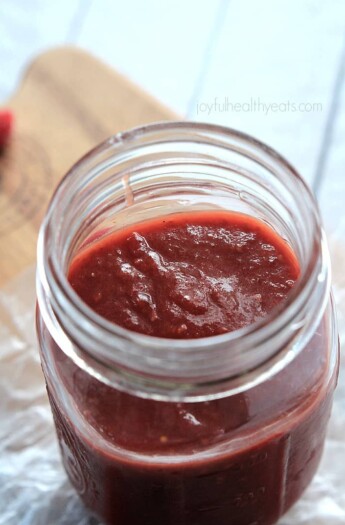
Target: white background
193, 53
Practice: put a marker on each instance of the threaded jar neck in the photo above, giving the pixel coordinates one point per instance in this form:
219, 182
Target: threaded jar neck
169, 168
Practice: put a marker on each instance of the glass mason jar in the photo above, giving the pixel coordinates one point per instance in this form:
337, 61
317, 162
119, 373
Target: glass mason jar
223, 430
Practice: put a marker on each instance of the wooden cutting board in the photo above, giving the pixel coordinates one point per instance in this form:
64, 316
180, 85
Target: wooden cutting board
68, 102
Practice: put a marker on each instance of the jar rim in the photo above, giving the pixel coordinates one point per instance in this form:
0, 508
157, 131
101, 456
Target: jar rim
276, 319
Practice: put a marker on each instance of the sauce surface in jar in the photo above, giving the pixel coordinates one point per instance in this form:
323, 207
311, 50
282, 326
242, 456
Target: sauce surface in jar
189, 275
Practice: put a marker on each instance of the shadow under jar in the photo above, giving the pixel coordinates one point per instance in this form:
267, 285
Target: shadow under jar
223, 430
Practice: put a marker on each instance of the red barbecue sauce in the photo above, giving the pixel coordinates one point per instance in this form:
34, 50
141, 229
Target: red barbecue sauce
240, 460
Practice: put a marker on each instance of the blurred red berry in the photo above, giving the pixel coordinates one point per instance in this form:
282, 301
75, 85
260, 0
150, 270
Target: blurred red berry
6, 125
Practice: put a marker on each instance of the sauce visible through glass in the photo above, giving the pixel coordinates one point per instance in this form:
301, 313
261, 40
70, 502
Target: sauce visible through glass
240, 460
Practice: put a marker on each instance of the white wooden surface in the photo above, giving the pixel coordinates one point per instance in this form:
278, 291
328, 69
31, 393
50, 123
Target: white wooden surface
273, 68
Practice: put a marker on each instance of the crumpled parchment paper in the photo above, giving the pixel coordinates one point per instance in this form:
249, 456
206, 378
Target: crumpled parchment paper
34, 489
